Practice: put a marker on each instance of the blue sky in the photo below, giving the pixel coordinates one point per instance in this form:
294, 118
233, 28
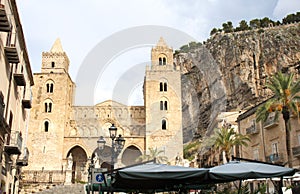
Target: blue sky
82, 24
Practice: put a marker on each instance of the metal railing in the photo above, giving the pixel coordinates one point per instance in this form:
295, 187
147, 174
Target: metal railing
43, 176
296, 151
271, 121
253, 129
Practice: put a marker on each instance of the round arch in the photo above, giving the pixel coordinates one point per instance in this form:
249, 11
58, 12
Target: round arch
130, 155
79, 157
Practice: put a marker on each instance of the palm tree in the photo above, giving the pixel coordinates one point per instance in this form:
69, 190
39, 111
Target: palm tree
226, 138
285, 101
154, 153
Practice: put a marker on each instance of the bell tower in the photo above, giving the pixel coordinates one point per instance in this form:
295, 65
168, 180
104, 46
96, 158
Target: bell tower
51, 109
56, 60
162, 97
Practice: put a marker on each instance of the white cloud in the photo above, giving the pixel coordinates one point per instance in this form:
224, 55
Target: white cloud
285, 7
82, 24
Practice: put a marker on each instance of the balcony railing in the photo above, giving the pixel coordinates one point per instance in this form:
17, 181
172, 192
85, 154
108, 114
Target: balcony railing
24, 160
271, 121
13, 144
253, 129
296, 151
4, 23
276, 158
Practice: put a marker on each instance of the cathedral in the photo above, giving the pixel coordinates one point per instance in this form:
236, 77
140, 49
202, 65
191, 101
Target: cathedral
58, 129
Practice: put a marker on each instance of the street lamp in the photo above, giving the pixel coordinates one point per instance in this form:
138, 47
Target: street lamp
116, 146
101, 143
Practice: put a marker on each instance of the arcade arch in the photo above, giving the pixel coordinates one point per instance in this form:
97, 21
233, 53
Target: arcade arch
79, 162
130, 155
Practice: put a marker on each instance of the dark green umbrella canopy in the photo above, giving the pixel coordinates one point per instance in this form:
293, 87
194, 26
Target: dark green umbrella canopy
159, 177
247, 170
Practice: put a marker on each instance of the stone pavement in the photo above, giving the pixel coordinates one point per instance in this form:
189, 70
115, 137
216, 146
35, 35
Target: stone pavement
62, 189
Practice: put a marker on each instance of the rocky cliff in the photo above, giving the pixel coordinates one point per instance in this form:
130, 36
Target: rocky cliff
228, 72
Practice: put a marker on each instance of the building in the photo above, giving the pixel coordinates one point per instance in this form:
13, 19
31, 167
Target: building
16, 80
59, 129
268, 139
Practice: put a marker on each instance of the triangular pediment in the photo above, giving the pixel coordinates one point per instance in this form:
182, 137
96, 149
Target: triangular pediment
110, 103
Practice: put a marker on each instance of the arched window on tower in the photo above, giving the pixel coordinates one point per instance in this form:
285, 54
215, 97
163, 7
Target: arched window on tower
166, 105
164, 60
163, 124
52, 64
165, 87
160, 61
50, 87
46, 126
163, 105
48, 106
161, 88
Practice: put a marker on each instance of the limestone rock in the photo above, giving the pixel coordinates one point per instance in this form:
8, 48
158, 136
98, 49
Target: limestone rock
229, 71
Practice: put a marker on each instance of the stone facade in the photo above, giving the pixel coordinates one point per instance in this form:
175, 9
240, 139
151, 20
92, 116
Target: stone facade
15, 97
59, 129
268, 139
162, 93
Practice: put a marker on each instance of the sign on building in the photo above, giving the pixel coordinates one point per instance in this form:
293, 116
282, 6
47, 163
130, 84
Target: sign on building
98, 176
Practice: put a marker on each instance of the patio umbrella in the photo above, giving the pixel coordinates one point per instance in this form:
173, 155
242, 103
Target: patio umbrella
159, 177
236, 170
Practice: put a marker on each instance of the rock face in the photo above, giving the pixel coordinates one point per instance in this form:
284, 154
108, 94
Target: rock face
229, 71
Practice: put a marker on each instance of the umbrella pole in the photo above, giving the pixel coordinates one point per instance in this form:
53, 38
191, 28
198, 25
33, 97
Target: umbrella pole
240, 185
280, 185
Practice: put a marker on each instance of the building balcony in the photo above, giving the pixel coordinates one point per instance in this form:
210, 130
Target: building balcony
276, 158
296, 151
20, 79
13, 144
11, 54
271, 121
26, 103
24, 160
4, 23
253, 129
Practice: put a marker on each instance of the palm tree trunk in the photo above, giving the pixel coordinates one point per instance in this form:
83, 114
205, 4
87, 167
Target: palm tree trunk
224, 157
288, 143
286, 117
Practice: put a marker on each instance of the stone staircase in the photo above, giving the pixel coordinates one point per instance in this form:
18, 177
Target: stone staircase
61, 189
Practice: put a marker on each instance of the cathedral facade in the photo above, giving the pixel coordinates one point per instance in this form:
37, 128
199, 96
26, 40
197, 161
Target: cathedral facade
59, 129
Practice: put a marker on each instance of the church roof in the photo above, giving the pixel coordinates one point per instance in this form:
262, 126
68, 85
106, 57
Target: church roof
57, 48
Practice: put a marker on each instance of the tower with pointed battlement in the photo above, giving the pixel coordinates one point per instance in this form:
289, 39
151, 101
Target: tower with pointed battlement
52, 106
162, 98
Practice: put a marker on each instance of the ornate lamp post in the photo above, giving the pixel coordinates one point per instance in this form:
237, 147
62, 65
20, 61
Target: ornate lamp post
101, 143
116, 146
